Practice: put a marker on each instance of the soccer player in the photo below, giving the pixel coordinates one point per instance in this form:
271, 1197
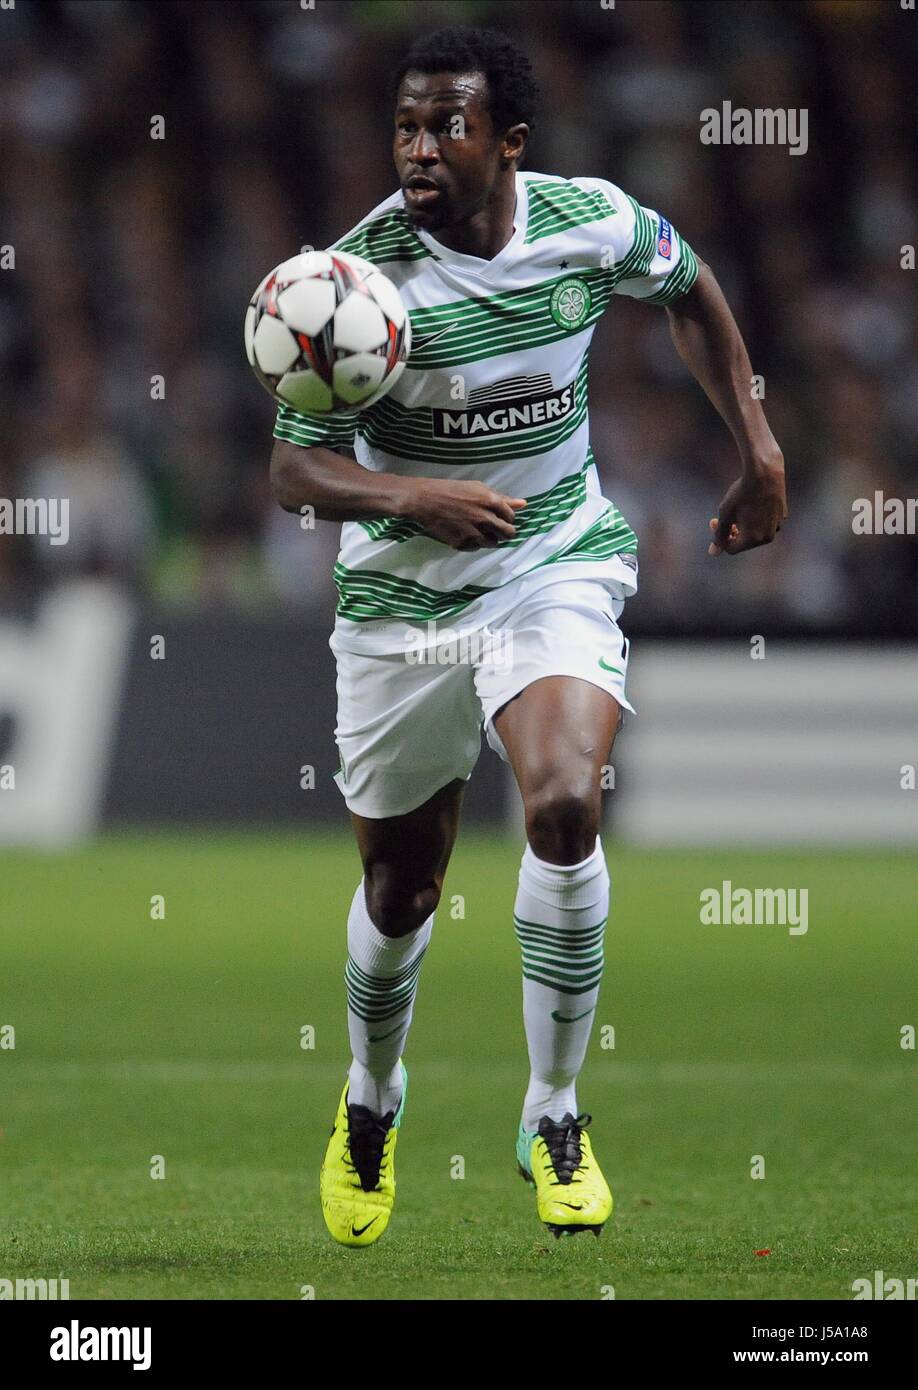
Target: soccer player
473, 511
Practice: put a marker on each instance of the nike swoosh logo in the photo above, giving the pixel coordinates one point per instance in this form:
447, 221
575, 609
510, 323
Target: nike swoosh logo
560, 1018
423, 340
578, 1207
380, 1037
355, 1232
606, 667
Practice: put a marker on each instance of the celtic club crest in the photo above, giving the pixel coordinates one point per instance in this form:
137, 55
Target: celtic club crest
570, 303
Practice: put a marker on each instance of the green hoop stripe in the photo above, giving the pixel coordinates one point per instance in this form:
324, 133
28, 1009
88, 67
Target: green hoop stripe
680, 280
387, 238
364, 594
543, 511
561, 985
568, 961
375, 999
338, 428
556, 208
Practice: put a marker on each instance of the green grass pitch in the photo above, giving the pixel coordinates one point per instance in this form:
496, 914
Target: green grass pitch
181, 1038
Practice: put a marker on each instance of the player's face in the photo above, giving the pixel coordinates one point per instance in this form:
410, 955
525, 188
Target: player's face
447, 153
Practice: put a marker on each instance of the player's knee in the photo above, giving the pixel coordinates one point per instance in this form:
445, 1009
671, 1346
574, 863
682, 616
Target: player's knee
562, 822
398, 905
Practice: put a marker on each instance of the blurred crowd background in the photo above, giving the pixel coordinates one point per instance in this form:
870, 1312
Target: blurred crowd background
135, 258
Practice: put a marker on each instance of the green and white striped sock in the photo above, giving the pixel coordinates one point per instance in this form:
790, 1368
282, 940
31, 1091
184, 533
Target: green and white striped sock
560, 917
381, 977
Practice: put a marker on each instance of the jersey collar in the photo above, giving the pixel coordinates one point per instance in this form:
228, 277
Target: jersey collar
476, 265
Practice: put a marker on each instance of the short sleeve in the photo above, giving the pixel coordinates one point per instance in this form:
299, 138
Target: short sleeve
334, 431
646, 256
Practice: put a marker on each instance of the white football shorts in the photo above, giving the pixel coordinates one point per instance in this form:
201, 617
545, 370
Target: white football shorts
410, 721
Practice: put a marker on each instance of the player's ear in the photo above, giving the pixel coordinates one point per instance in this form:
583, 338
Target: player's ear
515, 140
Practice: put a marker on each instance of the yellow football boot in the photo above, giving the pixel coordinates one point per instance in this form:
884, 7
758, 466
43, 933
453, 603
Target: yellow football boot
571, 1193
357, 1181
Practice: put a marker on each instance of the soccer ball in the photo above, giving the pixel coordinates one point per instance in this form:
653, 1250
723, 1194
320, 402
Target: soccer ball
327, 331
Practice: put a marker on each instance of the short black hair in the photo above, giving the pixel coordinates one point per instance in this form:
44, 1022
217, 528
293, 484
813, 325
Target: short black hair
513, 94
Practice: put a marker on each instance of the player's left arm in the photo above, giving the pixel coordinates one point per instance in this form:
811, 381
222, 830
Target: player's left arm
711, 346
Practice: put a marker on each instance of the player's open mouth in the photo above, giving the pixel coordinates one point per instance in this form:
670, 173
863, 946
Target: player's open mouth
422, 193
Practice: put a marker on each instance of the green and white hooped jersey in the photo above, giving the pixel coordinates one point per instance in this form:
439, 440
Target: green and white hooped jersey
495, 390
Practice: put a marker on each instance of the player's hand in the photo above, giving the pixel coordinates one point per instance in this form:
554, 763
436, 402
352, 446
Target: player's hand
752, 510
464, 515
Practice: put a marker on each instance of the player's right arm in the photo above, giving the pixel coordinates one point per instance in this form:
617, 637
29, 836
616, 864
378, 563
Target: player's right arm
463, 515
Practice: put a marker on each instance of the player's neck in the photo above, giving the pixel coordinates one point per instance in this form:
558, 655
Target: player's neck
487, 232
